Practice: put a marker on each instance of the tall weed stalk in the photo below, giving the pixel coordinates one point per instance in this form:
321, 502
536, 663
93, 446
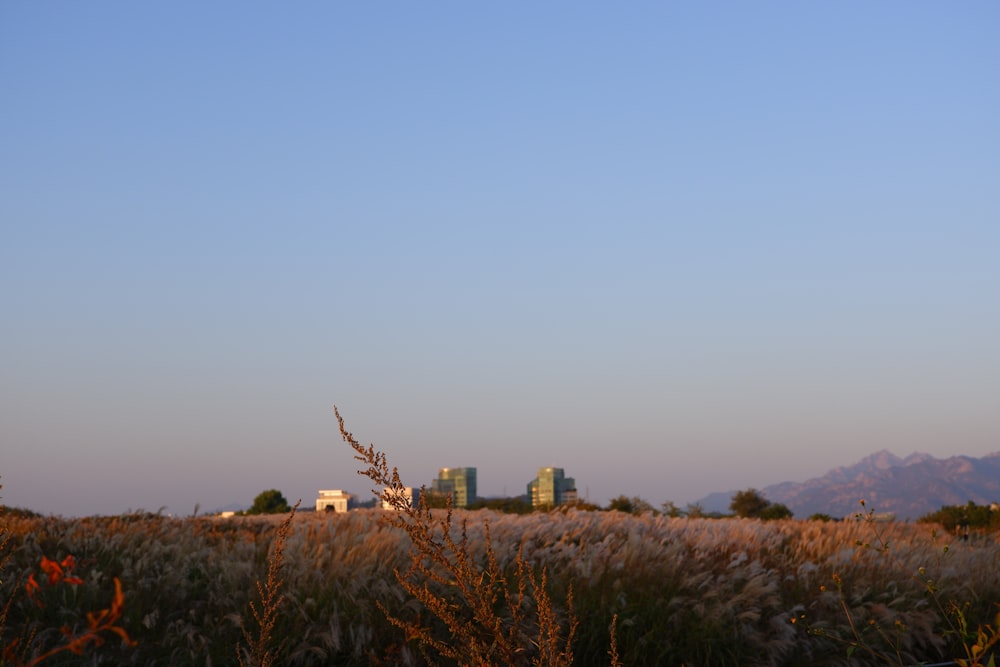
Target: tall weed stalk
257, 648
493, 612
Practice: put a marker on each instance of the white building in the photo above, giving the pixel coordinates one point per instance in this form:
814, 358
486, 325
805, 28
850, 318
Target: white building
334, 501
407, 496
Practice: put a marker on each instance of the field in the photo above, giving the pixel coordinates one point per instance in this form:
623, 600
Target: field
685, 591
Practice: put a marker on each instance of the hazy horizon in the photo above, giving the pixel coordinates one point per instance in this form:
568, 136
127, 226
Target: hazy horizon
671, 249
364, 493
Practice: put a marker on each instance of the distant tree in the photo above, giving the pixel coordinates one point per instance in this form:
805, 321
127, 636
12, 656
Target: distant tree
585, 506
269, 502
436, 500
515, 505
633, 505
749, 503
775, 511
694, 511
641, 505
670, 509
819, 516
621, 504
752, 504
971, 515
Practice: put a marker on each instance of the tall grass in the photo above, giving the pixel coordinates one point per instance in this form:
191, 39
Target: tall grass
685, 591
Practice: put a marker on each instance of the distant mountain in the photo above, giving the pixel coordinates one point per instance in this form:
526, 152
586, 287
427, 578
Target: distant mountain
907, 487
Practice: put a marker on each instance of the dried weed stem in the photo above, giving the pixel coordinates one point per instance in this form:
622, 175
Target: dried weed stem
259, 651
492, 619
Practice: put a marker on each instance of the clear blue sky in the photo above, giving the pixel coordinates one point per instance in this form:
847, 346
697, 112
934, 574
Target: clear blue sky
673, 248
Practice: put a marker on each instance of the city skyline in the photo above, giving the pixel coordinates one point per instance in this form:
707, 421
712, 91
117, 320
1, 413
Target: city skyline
678, 249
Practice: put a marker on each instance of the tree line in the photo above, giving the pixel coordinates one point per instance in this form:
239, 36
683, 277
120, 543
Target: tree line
748, 503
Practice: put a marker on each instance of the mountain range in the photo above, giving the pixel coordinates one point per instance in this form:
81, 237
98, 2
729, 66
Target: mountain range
909, 487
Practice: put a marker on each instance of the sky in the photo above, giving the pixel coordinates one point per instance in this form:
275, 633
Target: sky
672, 248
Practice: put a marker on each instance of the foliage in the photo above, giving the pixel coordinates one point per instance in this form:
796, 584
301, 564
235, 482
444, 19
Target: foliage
670, 509
751, 504
434, 499
694, 510
514, 505
775, 511
971, 515
629, 505
18, 511
581, 505
269, 502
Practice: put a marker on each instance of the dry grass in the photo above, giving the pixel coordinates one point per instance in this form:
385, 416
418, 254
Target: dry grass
5, 556
685, 591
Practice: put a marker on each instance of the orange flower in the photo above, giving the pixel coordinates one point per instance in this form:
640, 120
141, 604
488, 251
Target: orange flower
104, 619
32, 587
98, 622
59, 572
53, 569
68, 563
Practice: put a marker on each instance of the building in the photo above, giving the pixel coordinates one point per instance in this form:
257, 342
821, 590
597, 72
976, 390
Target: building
552, 488
333, 501
407, 496
459, 483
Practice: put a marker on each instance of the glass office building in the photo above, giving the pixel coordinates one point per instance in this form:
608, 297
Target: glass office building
459, 483
552, 488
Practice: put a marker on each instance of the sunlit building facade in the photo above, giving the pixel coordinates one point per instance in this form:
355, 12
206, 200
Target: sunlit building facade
552, 488
459, 483
333, 500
